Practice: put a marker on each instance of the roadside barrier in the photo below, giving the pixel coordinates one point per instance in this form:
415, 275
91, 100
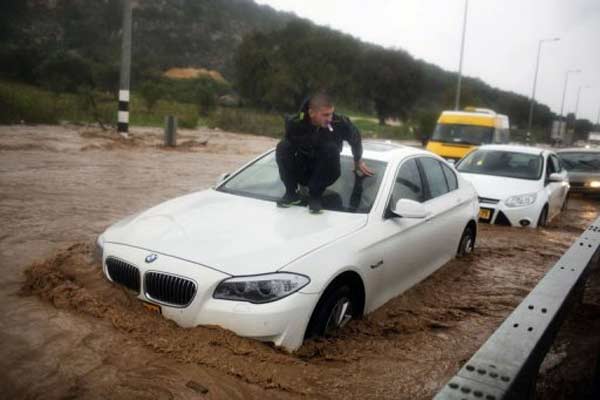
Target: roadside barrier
506, 366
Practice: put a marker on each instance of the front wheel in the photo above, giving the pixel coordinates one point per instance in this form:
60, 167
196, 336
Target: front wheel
335, 309
467, 242
565, 203
543, 219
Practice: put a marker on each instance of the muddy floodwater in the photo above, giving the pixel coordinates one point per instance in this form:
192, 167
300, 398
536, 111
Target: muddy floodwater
65, 332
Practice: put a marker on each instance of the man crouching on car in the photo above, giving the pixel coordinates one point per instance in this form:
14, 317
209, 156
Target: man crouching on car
309, 153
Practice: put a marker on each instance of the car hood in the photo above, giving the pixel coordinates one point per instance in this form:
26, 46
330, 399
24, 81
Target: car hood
583, 176
233, 234
500, 187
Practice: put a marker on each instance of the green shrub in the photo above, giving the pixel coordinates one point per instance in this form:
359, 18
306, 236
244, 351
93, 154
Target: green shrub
248, 121
26, 103
187, 114
369, 127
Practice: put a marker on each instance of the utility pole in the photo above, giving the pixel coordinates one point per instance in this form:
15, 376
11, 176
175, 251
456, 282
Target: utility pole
562, 104
123, 113
462, 50
537, 65
577, 102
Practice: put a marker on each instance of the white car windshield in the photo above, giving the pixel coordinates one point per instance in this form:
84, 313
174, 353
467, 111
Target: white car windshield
350, 193
502, 163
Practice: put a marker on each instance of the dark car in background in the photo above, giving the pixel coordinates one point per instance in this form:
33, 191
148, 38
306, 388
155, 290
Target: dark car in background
583, 166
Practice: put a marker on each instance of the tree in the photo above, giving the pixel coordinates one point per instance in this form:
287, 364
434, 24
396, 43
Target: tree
205, 94
151, 92
392, 80
65, 71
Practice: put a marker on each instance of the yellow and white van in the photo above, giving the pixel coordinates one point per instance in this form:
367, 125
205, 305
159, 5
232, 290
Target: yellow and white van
458, 132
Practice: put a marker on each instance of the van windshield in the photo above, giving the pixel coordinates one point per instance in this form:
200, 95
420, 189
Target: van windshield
467, 134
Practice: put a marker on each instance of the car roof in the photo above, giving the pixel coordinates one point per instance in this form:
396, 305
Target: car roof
385, 150
514, 148
580, 150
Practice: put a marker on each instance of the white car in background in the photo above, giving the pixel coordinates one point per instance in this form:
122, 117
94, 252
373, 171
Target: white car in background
229, 257
517, 185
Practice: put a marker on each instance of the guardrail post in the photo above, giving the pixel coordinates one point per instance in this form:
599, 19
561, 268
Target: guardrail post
170, 131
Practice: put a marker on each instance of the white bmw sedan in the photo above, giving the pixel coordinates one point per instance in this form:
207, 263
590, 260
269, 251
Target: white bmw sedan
517, 185
229, 257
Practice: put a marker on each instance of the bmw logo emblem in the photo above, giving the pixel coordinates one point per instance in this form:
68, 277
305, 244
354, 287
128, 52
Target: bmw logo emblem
151, 258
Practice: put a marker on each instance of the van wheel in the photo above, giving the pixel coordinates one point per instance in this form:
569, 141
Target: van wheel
467, 242
334, 310
543, 219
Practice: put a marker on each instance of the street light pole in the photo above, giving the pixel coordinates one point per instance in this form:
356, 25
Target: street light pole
577, 102
462, 50
562, 104
537, 65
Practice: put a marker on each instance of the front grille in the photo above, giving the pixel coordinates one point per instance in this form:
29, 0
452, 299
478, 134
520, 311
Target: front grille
123, 273
169, 289
577, 184
488, 200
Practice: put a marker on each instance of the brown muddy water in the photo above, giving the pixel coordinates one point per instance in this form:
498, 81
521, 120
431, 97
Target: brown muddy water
66, 333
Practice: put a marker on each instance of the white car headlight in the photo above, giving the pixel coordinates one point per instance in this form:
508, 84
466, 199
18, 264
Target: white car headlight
594, 184
520, 200
260, 288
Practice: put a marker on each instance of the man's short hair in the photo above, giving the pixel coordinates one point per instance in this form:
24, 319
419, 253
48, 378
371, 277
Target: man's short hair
320, 100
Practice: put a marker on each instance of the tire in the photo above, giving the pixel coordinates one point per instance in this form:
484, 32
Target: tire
543, 219
467, 242
565, 203
334, 310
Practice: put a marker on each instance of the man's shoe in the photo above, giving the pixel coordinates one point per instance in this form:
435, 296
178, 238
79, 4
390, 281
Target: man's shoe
288, 200
314, 205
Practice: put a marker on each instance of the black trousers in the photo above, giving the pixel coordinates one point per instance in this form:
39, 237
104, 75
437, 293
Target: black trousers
316, 168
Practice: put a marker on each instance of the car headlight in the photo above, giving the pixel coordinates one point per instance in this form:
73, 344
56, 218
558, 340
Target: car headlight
520, 200
594, 184
260, 288
99, 250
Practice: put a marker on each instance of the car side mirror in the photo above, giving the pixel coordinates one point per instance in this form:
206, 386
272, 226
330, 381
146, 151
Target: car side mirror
221, 178
555, 177
409, 209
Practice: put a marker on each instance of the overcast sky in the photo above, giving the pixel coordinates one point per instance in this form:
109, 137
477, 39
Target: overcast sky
501, 43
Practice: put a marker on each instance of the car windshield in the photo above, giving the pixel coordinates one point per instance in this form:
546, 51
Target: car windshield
349, 193
468, 134
581, 161
502, 163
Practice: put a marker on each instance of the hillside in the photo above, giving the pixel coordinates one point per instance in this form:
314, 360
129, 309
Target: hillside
58, 42
166, 33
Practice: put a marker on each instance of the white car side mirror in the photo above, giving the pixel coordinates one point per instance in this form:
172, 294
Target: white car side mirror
221, 178
410, 209
555, 177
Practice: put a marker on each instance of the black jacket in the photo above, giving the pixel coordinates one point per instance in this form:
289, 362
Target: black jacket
306, 137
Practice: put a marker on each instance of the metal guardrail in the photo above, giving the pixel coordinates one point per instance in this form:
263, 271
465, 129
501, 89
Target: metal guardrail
506, 366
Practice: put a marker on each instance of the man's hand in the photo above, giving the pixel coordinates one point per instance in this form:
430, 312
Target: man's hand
361, 167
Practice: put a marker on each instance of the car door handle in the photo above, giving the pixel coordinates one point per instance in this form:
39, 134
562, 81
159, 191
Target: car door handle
377, 264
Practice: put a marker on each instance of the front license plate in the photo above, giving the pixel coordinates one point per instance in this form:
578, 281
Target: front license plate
485, 213
151, 307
